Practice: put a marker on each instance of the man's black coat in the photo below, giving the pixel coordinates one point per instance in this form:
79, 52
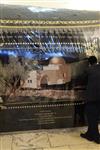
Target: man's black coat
93, 83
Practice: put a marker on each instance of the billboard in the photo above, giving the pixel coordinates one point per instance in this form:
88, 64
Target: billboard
41, 67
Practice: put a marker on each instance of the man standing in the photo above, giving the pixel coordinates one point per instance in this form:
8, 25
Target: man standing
93, 101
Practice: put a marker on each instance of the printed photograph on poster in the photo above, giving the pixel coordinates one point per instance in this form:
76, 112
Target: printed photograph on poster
44, 53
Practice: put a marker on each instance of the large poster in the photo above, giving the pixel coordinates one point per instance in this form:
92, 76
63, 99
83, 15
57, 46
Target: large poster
42, 61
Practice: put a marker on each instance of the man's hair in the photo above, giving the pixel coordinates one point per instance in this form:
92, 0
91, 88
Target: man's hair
92, 60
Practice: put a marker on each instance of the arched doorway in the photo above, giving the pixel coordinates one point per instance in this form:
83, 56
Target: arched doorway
44, 82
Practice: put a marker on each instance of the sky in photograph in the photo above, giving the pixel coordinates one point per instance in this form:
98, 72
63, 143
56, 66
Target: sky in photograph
66, 4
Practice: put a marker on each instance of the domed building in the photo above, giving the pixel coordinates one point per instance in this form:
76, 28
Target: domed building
56, 73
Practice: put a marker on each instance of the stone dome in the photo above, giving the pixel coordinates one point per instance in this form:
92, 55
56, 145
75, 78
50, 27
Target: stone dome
57, 60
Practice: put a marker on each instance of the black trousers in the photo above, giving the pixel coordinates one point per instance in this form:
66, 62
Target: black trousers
93, 117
